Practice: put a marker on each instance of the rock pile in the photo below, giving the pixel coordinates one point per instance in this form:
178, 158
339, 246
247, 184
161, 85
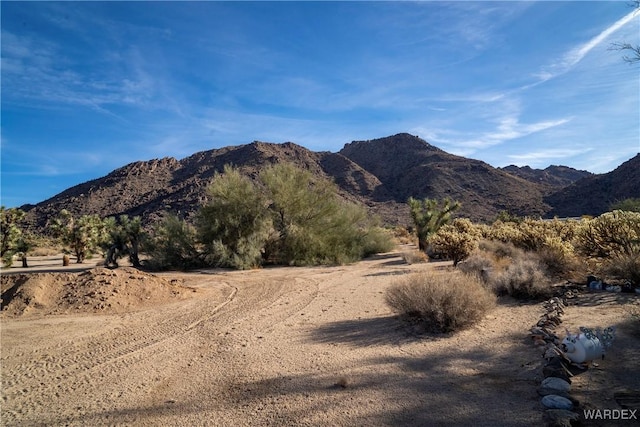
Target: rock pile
556, 387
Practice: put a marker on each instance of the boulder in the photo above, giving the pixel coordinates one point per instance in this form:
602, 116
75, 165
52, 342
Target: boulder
555, 383
553, 401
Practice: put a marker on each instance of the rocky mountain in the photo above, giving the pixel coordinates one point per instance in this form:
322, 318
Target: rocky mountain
594, 194
380, 173
409, 166
555, 177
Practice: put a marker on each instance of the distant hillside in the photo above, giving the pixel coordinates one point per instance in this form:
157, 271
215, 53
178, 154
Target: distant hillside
595, 194
380, 173
150, 188
409, 166
556, 177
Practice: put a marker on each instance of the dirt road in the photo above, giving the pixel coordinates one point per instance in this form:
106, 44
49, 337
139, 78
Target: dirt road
275, 346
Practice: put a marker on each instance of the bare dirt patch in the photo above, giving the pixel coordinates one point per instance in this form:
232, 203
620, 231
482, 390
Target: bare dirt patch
281, 346
96, 290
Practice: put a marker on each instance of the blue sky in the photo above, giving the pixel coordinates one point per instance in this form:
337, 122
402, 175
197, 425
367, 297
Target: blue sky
88, 87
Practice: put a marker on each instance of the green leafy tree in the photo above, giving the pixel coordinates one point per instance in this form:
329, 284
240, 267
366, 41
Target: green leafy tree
303, 210
235, 224
312, 225
429, 215
174, 246
83, 235
12, 237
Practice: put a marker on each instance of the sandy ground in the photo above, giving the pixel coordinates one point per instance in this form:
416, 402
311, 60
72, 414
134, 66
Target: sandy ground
291, 347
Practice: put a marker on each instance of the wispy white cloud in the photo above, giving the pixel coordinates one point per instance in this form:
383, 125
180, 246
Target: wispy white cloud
547, 155
572, 57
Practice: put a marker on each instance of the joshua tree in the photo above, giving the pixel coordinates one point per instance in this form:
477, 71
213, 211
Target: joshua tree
428, 216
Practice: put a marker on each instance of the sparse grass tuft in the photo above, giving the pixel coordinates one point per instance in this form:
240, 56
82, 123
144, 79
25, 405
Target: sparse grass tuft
414, 257
443, 302
508, 270
524, 278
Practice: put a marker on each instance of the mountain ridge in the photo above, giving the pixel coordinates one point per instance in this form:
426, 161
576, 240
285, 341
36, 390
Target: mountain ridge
380, 173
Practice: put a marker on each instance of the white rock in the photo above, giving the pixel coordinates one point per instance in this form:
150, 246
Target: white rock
552, 401
556, 384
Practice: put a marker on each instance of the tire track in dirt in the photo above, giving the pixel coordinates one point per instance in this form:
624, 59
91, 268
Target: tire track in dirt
54, 371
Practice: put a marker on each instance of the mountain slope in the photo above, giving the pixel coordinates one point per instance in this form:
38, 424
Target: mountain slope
595, 194
180, 186
555, 177
409, 166
382, 174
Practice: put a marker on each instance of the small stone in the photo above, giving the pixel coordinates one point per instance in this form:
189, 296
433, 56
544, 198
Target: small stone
553, 401
543, 391
556, 367
561, 417
556, 384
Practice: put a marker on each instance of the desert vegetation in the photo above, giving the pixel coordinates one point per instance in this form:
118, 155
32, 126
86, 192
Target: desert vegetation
514, 256
288, 216
441, 302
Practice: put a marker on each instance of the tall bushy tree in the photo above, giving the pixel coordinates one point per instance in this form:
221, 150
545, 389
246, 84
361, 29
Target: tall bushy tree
82, 235
125, 237
174, 246
305, 213
11, 237
429, 215
289, 217
235, 224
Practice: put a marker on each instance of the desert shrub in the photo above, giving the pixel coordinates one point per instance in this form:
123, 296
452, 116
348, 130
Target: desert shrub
508, 270
414, 257
609, 234
234, 225
403, 235
500, 249
444, 302
550, 240
173, 246
455, 241
625, 266
559, 257
503, 232
631, 204
611, 243
479, 263
524, 278
376, 240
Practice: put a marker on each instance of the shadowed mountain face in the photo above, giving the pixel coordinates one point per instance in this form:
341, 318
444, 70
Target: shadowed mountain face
595, 194
380, 173
555, 177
